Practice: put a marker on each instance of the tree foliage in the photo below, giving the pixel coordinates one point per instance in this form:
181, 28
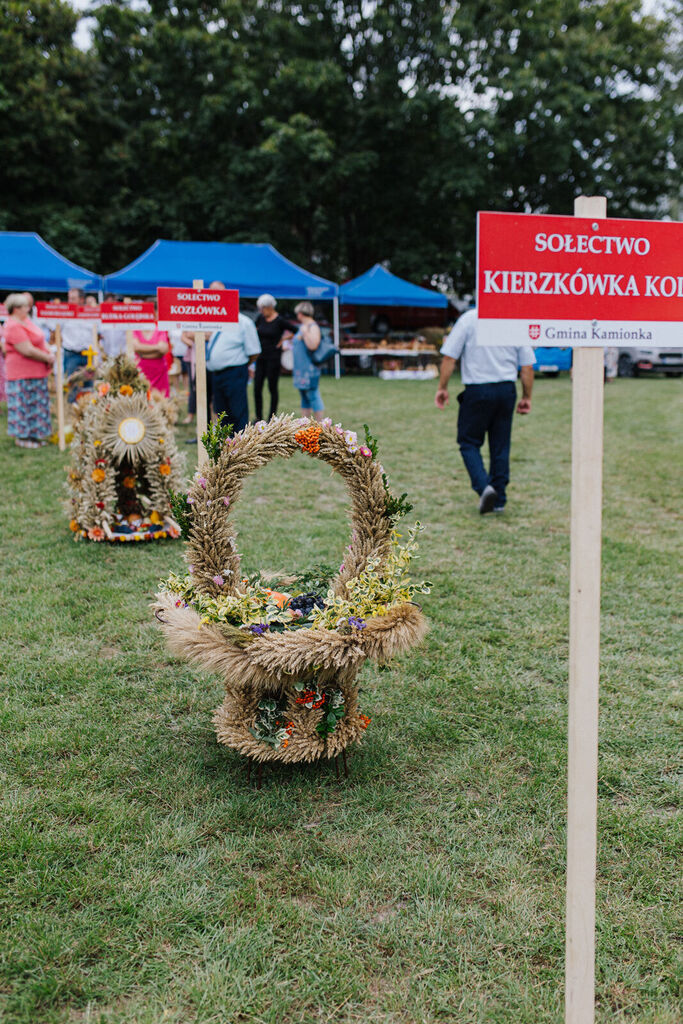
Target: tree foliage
342, 132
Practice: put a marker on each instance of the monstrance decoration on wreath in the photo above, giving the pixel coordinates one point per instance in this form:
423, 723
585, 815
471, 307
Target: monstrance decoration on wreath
290, 649
125, 465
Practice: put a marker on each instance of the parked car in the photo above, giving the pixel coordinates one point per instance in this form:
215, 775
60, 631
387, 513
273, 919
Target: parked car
634, 361
552, 361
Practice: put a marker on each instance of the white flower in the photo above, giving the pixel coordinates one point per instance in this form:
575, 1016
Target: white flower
351, 437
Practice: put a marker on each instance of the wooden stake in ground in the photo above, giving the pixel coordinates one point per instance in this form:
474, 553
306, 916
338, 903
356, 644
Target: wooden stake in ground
130, 351
584, 667
59, 388
200, 387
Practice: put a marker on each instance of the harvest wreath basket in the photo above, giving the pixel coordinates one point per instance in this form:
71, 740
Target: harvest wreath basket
124, 461
290, 649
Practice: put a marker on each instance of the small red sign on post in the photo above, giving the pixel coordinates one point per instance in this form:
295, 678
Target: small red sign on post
197, 309
88, 313
56, 310
578, 281
135, 316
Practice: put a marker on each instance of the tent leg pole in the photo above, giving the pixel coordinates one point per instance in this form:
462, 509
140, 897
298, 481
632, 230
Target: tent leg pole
335, 321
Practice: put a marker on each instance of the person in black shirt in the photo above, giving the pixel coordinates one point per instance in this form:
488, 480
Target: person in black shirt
272, 330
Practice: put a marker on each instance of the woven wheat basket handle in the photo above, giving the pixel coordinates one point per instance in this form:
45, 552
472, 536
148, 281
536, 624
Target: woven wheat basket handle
213, 557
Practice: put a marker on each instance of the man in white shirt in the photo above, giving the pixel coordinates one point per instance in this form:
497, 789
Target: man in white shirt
77, 336
486, 405
228, 355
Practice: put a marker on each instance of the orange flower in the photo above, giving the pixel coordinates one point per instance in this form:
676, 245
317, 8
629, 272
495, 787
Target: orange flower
98, 475
73, 525
155, 518
129, 482
309, 439
164, 469
365, 720
173, 532
125, 389
97, 443
162, 440
96, 533
103, 389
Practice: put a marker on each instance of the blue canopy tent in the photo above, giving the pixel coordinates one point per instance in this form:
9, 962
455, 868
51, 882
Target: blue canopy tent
378, 287
251, 268
26, 261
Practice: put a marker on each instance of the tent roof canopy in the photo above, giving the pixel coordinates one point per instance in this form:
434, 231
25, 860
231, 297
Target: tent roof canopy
378, 287
26, 261
251, 268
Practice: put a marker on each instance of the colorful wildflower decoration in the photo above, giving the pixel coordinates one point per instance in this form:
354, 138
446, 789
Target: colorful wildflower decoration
291, 648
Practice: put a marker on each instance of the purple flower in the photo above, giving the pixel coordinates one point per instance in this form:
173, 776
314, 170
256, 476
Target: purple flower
356, 622
259, 628
202, 481
226, 501
218, 580
190, 501
190, 568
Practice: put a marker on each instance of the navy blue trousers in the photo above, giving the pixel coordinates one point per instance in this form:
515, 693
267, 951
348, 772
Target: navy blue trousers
487, 409
229, 394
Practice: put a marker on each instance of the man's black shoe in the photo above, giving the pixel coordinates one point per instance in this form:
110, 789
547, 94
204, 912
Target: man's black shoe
489, 497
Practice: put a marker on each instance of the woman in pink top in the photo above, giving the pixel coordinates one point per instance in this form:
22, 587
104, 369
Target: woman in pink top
151, 349
3, 377
27, 364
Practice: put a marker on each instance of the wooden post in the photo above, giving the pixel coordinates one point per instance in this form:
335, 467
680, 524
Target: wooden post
584, 667
200, 386
59, 388
130, 352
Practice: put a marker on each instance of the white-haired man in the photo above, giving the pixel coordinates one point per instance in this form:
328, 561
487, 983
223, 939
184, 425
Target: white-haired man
229, 353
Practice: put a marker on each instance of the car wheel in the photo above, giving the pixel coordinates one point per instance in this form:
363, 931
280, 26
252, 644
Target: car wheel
674, 373
552, 373
626, 367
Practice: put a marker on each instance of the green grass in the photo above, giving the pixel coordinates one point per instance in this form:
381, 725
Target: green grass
142, 880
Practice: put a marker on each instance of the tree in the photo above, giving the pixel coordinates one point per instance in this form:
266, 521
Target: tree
45, 88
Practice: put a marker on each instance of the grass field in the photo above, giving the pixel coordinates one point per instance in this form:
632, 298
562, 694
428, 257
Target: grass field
141, 879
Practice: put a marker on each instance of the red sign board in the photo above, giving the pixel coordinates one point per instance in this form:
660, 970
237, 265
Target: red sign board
197, 309
570, 281
88, 313
56, 310
136, 316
